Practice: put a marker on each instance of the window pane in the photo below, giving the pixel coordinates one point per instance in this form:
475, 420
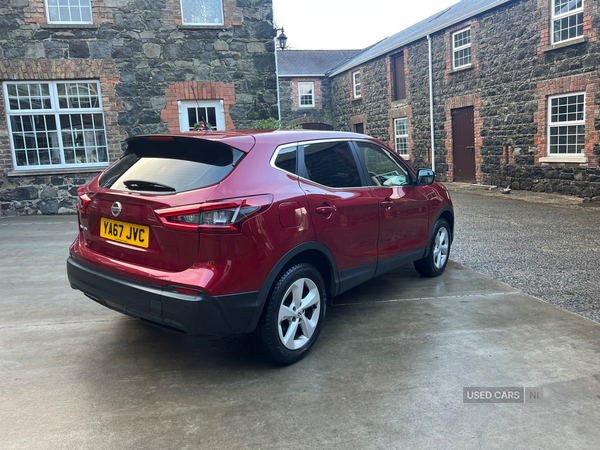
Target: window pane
192, 118
332, 164
286, 160
564, 6
567, 140
70, 11
78, 96
35, 138
568, 108
212, 117
202, 12
15, 123
462, 38
568, 28
384, 169
28, 96
32, 141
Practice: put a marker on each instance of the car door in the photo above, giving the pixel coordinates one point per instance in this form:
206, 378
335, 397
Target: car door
403, 207
343, 209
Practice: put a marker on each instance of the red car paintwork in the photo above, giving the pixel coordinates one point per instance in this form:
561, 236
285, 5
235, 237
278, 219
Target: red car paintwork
357, 228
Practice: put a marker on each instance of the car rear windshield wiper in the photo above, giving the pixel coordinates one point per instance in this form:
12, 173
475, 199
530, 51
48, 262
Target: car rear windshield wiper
138, 185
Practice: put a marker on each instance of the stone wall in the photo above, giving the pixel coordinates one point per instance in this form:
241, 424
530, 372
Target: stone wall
51, 194
153, 61
514, 72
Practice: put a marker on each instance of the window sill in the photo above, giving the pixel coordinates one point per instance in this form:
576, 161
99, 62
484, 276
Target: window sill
189, 26
460, 69
549, 48
404, 157
399, 103
356, 99
565, 159
68, 26
306, 107
56, 171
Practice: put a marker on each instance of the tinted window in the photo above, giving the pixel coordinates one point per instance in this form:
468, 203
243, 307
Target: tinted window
286, 159
384, 169
331, 164
168, 166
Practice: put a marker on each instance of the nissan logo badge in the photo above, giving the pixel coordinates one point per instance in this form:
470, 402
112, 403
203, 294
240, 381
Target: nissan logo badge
115, 209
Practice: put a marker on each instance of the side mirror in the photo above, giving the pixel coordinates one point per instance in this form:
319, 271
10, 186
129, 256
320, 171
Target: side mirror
425, 177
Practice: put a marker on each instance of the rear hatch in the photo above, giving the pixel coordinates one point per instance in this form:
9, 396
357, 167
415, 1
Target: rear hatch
155, 172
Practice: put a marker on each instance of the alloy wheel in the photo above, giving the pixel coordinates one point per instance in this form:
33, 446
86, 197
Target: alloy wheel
298, 315
440, 249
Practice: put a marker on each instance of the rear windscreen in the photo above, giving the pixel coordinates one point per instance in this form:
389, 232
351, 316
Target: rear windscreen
170, 165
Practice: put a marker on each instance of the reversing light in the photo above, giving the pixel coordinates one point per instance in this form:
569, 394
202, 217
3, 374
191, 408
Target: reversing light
226, 216
84, 200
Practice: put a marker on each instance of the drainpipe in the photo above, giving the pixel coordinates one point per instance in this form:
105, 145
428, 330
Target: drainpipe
277, 75
431, 105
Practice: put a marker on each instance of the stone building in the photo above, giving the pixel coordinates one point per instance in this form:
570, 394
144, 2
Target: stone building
304, 88
515, 94
79, 77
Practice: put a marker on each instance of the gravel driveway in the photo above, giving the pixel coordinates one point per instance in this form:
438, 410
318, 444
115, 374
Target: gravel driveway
545, 245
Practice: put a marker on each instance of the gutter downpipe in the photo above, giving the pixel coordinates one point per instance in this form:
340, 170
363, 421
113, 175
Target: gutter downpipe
277, 76
430, 105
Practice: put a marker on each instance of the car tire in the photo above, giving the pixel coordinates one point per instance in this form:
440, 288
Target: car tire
293, 316
436, 260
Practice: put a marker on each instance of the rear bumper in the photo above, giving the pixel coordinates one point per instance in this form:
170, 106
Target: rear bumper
196, 315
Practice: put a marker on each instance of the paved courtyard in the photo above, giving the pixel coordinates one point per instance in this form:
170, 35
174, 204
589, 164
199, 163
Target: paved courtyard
544, 245
387, 372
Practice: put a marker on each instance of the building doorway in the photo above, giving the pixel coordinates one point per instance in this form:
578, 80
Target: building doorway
463, 144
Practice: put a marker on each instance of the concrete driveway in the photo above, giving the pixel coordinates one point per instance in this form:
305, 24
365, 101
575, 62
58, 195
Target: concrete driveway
388, 371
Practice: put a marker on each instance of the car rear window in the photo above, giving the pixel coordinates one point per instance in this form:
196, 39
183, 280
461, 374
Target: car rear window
170, 165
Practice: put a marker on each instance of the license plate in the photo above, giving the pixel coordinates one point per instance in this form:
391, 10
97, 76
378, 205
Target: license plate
128, 233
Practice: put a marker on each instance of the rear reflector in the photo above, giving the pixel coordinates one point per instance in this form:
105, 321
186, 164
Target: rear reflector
186, 291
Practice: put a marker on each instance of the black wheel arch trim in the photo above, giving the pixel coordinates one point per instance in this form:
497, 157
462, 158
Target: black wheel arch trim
445, 209
272, 277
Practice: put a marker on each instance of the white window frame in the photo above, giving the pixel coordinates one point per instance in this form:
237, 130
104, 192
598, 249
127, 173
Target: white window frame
461, 47
183, 106
560, 16
72, 22
312, 94
398, 136
564, 124
183, 21
356, 84
57, 112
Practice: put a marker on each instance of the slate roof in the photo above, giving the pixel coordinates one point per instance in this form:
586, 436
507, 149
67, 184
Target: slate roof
439, 21
311, 62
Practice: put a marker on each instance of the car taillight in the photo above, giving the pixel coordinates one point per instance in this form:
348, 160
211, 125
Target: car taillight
225, 216
84, 200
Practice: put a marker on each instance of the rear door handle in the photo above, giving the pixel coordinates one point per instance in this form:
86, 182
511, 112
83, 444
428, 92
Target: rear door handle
387, 203
326, 209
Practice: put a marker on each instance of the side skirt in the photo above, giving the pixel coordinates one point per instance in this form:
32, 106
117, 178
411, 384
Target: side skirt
350, 278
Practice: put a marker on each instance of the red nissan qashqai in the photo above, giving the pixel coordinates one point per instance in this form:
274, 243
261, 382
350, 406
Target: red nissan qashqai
253, 231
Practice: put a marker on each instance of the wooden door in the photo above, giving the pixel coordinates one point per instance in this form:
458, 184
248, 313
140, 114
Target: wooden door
463, 144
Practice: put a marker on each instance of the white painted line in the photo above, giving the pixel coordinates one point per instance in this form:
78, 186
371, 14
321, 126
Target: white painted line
33, 223
426, 298
66, 323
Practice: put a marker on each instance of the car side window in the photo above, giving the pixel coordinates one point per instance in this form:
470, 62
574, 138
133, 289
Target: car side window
286, 160
383, 168
332, 164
